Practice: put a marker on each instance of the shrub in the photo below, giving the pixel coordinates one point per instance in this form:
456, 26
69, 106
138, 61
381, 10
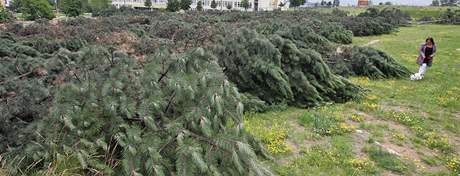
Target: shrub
450, 17
199, 6
98, 5
36, 9
71, 8
173, 5
5, 15
185, 4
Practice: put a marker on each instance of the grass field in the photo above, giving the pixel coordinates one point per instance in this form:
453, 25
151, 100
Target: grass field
402, 127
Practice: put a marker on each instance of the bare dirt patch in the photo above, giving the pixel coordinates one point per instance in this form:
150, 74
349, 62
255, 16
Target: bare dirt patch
457, 115
297, 145
406, 150
395, 108
359, 141
388, 173
123, 40
372, 42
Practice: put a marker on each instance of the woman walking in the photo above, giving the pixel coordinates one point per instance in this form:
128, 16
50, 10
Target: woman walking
425, 58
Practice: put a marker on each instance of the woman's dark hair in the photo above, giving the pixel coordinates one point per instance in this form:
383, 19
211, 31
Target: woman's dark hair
430, 39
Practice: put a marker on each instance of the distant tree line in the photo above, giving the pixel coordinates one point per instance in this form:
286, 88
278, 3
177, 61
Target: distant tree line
444, 2
388, 3
38, 9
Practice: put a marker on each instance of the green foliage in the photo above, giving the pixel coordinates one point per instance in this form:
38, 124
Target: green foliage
185, 4
276, 70
173, 5
393, 16
363, 61
76, 79
450, 17
148, 3
329, 159
272, 135
108, 115
296, 3
5, 15
339, 12
229, 6
71, 8
36, 9
99, 5
365, 26
213, 4
15, 5
244, 3
335, 32
387, 160
435, 3
199, 6
336, 3
324, 124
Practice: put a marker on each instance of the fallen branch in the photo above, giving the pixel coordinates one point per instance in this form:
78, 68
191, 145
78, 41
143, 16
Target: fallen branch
17, 77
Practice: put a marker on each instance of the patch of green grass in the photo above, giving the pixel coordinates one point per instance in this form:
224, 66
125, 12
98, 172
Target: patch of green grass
62, 165
419, 12
431, 160
333, 159
387, 161
273, 135
325, 124
431, 138
398, 138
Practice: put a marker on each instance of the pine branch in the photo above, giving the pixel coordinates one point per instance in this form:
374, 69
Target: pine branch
171, 99
209, 141
17, 77
164, 74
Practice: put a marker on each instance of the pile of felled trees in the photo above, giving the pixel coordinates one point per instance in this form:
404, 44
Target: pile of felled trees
165, 94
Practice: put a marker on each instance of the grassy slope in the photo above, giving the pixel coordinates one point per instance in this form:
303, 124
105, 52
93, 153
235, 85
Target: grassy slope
402, 127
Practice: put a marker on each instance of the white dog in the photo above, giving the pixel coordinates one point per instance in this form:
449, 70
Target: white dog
419, 75
416, 76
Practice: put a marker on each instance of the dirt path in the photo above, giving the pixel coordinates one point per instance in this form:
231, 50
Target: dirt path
372, 42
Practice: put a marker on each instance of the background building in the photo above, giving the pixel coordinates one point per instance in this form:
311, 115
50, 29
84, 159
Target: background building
363, 3
6, 2
259, 5
139, 3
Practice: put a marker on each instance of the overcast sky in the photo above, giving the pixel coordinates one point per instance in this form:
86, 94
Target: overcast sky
400, 2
